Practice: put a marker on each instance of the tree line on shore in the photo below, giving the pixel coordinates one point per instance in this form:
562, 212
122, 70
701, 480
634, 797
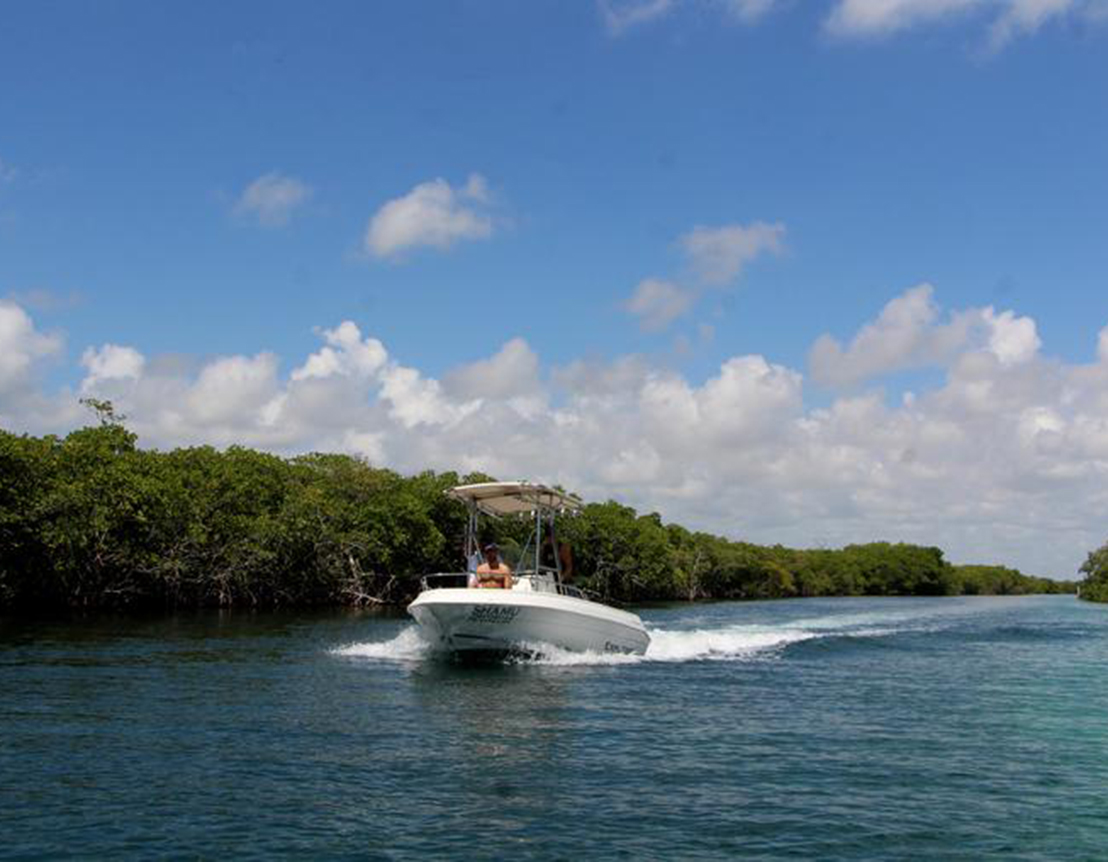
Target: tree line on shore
93, 521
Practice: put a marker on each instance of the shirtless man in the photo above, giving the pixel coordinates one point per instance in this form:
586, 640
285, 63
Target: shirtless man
494, 573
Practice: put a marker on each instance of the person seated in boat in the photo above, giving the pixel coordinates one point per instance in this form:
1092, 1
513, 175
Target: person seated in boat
494, 573
565, 557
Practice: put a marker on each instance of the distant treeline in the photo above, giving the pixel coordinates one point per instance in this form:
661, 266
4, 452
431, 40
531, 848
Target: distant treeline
92, 521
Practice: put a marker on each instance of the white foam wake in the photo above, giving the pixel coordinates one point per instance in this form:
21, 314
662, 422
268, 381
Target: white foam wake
406, 646
734, 643
737, 642
726, 643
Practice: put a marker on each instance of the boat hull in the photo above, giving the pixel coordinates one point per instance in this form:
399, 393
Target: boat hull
462, 620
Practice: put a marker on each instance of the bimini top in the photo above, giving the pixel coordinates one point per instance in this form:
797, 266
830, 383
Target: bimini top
511, 498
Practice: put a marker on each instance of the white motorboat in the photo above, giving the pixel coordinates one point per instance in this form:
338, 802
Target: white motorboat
537, 609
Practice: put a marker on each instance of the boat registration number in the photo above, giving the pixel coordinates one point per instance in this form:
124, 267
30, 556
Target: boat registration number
493, 614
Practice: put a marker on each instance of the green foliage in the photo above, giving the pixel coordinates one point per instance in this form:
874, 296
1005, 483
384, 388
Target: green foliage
91, 520
622, 554
1001, 581
1095, 569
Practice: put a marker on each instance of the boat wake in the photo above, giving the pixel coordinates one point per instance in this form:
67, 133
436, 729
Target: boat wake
731, 643
737, 642
405, 647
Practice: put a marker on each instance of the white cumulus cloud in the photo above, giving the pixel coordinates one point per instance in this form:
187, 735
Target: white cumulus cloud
231, 385
417, 400
909, 334
1011, 339
622, 15
1007, 18
1026, 16
21, 345
718, 254
110, 362
619, 15
1004, 20
346, 353
513, 371
657, 303
272, 199
433, 214
878, 17
904, 335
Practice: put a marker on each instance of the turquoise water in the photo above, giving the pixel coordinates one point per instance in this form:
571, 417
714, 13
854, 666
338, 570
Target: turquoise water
850, 728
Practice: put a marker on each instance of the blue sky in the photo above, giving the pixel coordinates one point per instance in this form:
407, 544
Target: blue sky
836, 155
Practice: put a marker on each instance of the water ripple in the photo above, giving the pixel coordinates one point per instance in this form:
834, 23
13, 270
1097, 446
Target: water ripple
847, 729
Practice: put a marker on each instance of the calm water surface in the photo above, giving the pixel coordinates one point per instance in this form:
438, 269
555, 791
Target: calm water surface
849, 728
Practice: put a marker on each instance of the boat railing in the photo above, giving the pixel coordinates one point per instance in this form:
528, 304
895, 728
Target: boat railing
446, 580
441, 580
549, 582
